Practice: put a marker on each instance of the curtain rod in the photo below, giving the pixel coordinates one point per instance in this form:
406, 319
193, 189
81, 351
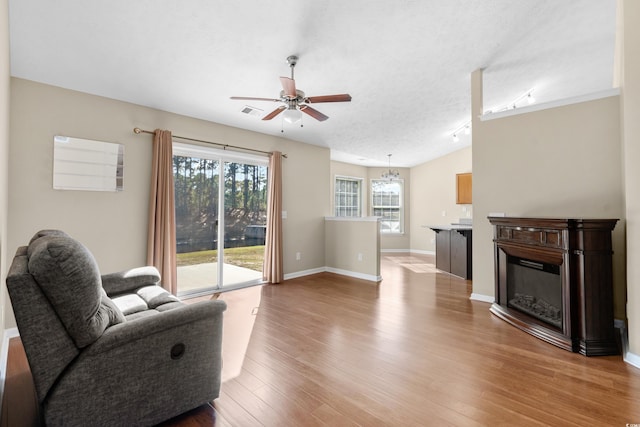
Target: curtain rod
224, 146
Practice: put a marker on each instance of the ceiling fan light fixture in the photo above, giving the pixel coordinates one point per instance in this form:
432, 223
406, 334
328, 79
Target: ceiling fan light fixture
292, 115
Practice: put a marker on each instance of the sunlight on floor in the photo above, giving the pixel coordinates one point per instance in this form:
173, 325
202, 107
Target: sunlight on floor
242, 308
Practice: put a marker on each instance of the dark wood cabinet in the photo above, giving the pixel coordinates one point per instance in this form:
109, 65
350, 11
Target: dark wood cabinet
453, 250
443, 249
461, 253
554, 280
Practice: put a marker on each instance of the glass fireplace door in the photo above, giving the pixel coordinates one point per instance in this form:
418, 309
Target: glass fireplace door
536, 289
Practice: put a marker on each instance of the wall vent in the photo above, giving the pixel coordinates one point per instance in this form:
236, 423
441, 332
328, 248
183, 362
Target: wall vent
252, 111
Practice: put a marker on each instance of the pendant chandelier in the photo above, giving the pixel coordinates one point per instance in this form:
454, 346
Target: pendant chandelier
391, 175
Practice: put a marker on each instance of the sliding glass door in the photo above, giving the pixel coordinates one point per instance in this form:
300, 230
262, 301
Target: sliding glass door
220, 218
245, 219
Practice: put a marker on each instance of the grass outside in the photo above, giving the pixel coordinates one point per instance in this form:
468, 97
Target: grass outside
250, 257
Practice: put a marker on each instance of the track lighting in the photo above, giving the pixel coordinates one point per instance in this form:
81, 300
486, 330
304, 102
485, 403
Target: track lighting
514, 104
466, 128
510, 106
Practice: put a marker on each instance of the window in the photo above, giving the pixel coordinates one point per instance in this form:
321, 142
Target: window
348, 196
387, 203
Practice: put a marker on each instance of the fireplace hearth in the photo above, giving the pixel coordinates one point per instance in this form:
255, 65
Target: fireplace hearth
554, 279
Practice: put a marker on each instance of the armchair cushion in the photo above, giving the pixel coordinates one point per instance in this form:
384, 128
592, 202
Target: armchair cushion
146, 298
155, 296
130, 280
69, 277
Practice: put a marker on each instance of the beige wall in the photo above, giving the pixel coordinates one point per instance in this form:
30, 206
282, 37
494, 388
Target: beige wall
434, 192
113, 225
559, 162
4, 153
631, 148
353, 246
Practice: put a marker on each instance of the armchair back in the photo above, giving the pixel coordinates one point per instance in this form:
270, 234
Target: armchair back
48, 346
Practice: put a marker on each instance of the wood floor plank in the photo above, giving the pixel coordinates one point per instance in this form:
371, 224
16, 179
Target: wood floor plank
412, 350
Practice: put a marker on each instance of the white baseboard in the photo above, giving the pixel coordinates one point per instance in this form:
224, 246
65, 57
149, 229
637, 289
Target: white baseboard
632, 359
482, 298
404, 251
369, 277
309, 272
419, 251
4, 355
304, 273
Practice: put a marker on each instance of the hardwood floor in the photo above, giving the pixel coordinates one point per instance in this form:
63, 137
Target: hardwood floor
413, 350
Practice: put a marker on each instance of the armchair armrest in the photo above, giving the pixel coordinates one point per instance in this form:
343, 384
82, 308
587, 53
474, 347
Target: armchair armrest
174, 355
127, 332
129, 280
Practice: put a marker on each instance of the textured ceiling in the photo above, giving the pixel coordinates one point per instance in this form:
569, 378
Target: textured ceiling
406, 63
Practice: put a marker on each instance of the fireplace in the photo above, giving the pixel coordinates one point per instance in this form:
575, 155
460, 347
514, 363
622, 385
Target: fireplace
536, 289
554, 280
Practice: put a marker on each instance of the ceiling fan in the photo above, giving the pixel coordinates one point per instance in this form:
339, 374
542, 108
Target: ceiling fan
295, 100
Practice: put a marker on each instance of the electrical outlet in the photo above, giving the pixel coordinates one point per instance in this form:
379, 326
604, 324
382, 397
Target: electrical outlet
444, 213
359, 257
298, 256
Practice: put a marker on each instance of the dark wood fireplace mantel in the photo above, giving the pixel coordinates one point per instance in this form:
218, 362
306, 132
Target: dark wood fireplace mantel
554, 280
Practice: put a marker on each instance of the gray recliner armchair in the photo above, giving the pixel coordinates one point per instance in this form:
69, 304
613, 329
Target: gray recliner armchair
108, 350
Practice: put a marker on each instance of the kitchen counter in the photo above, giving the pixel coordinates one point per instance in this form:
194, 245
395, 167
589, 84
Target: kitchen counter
453, 249
449, 227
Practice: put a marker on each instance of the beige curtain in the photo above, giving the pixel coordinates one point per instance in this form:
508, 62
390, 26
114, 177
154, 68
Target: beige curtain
272, 270
161, 243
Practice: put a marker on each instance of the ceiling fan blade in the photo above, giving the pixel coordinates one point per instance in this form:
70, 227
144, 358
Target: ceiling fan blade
251, 98
313, 113
274, 113
343, 97
289, 86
